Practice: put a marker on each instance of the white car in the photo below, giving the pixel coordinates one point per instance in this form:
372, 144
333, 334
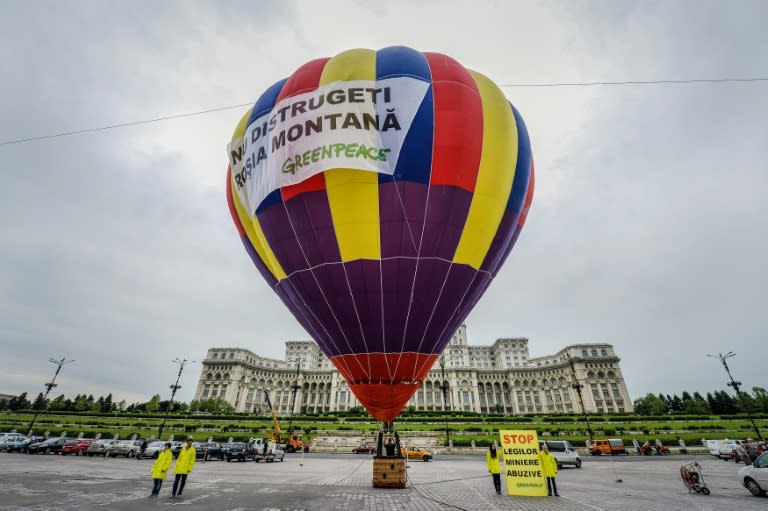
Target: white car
755, 477
153, 449
274, 452
563, 452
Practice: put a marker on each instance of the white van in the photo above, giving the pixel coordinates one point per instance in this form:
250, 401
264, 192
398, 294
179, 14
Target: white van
563, 452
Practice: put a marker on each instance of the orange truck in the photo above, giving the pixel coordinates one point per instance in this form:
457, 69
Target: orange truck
611, 446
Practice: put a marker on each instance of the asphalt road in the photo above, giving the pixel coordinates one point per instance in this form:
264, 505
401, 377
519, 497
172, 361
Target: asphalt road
324, 482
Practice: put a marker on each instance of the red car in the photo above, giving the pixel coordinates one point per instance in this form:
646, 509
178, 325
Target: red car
364, 449
77, 446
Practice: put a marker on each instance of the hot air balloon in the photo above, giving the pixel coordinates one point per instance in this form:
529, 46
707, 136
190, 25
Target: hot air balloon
379, 193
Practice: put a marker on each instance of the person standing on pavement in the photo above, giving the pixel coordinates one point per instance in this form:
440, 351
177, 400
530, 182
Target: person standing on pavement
492, 460
160, 469
184, 464
636, 444
549, 469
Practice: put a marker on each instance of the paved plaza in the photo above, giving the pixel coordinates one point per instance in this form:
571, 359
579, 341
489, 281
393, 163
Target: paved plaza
325, 482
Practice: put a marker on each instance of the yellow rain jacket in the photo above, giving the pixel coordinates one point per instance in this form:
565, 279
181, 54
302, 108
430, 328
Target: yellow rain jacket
548, 464
493, 463
162, 464
185, 461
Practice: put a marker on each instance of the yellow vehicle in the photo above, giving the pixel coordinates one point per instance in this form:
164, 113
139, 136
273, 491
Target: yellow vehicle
293, 443
416, 453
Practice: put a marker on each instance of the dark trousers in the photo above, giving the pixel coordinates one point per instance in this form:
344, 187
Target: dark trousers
497, 482
156, 485
176, 485
551, 486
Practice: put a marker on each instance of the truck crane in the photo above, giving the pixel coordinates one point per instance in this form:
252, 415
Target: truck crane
293, 442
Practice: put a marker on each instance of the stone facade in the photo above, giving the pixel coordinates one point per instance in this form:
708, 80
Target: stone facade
500, 378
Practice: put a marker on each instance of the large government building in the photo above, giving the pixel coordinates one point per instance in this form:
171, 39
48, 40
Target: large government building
500, 378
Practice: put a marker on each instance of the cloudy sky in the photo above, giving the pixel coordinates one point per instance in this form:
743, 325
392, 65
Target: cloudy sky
648, 229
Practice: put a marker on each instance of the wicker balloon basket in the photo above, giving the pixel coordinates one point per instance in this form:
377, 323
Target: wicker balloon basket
388, 472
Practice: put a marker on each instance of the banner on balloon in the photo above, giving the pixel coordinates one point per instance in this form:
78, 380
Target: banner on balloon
522, 467
358, 124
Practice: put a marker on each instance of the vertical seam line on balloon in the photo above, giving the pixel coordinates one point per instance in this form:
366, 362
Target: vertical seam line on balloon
460, 302
383, 323
319, 287
289, 282
434, 308
357, 315
424, 222
405, 214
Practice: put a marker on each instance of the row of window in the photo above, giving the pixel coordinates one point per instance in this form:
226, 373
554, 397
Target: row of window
603, 353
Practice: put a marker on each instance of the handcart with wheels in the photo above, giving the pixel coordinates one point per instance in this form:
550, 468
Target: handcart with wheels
693, 478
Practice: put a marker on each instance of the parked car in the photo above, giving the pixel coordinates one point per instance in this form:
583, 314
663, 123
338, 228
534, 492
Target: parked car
725, 450
5, 435
9, 439
78, 446
240, 451
127, 448
755, 477
274, 452
50, 446
209, 450
411, 452
152, 451
749, 451
364, 449
14, 443
100, 447
563, 452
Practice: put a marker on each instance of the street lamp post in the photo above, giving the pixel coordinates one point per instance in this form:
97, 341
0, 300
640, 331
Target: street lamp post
295, 387
174, 388
48, 386
578, 386
445, 400
735, 385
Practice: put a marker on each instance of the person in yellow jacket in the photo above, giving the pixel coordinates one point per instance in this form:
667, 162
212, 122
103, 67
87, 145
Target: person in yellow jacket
492, 459
160, 469
549, 469
184, 464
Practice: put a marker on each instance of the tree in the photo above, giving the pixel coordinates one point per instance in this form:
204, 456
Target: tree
107, 405
19, 402
214, 405
40, 402
58, 404
761, 399
153, 405
697, 405
712, 402
650, 405
81, 403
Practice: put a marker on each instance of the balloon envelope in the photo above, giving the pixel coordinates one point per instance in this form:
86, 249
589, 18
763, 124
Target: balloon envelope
379, 193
